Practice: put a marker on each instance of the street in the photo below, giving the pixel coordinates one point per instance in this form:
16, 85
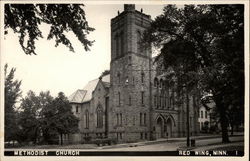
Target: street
209, 142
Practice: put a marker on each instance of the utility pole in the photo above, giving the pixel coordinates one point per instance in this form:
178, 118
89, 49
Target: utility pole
187, 99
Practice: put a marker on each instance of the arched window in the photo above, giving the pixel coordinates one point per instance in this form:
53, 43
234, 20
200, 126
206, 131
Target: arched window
87, 119
138, 36
99, 113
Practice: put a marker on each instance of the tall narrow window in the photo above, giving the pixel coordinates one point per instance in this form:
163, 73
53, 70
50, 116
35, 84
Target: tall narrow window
119, 78
201, 114
190, 122
206, 114
142, 97
145, 119
160, 100
171, 102
129, 100
117, 119
120, 118
141, 135
139, 42
163, 99
99, 113
126, 120
77, 109
117, 45
122, 43
140, 118
155, 100
142, 77
119, 98
129, 60
87, 119
134, 120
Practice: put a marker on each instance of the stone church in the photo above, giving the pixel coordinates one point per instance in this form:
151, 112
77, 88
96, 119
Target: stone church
133, 102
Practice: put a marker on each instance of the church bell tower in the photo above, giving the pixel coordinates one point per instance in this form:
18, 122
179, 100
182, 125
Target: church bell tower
129, 76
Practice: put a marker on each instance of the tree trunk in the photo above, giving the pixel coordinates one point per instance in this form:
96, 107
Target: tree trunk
224, 124
188, 130
223, 119
61, 139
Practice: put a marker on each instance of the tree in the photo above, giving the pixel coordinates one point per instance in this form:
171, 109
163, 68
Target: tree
12, 92
58, 118
25, 20
215, 35
31, 119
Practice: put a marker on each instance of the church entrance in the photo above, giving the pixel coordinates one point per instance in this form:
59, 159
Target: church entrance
169, 128
159, 128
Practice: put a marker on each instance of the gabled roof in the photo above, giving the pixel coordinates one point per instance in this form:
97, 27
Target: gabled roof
77, 97
90, 88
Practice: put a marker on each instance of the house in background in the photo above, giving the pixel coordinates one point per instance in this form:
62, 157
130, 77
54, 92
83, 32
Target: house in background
206, 114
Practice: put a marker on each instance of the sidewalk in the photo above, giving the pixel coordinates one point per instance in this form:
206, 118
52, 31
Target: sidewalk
164, 140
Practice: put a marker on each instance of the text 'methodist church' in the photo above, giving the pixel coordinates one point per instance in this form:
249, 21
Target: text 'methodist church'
133, 102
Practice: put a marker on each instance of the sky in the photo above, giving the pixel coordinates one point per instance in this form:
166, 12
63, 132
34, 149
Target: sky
56, 68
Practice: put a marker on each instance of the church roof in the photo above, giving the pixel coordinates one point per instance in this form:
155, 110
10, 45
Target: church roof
85, 95
77, 96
